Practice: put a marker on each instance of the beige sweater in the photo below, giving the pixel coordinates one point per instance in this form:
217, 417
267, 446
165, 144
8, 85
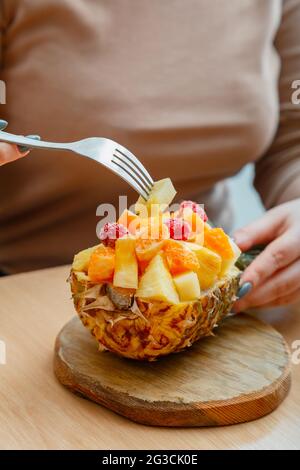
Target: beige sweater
195, 88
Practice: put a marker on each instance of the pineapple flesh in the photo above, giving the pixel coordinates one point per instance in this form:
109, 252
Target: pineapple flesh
210, 267
126, 266
188, 287
157, 284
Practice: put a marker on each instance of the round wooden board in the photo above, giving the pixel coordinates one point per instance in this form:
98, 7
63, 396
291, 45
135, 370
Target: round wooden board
240, 374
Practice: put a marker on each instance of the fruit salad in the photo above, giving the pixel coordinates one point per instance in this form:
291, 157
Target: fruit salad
158, 280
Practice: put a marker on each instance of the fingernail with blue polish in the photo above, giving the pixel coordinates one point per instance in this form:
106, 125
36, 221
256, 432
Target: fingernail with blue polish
244, 289
3, 124
24, 148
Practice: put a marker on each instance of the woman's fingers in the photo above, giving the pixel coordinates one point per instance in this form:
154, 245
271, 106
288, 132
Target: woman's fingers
3, 124
277, 255
24, 148
262, 230
10, 153
288, 299
281, 285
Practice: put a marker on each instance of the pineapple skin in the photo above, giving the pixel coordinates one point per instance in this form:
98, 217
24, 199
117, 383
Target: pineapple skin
161, 329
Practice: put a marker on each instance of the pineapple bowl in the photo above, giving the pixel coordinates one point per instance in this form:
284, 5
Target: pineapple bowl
156, 283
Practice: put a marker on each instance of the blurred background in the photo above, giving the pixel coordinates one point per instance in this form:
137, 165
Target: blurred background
246, 202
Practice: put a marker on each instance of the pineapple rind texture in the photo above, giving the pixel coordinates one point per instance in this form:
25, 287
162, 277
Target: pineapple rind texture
159, 328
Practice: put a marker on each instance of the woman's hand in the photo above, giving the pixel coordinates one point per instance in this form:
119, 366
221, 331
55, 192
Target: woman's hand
10, 153
275, 273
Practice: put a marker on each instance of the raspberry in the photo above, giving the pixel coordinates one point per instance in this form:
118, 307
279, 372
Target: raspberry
195, 208
111, 232
179, 229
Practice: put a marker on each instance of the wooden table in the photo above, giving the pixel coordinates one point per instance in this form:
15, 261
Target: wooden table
36, 412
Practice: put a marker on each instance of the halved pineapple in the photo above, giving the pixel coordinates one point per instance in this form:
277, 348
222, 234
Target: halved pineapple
151, 329
126, 266
157, 284
188, 287
155, 314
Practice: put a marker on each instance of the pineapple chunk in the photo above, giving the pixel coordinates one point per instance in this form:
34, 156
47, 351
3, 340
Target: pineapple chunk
157, 283
187, 286
210, 266
193, 246
126, 266
162, 194
82, 259
227, 264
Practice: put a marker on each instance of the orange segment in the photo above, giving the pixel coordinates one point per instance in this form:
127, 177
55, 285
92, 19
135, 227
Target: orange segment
147, 249
216, 239
179, 258
102, 264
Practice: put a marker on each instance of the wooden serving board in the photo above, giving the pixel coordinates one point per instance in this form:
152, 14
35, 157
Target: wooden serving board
240, 374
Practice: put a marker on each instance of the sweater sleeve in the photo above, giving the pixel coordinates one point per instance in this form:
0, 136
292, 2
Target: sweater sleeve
277, 173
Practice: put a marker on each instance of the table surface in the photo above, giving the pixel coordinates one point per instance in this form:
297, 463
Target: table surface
36, 412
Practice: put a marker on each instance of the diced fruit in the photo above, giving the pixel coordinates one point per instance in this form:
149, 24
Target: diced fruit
111, 232
187, 286
157, 283
193, 246
126, 266
227, 264
162, 194
216, 239
194, 207
194, 219
179, 258
153, 228
179, 229
208, 259
102, 264
146, 249
129, 220
82, 259
210, 267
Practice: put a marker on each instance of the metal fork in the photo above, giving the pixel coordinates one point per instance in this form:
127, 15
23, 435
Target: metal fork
105, 151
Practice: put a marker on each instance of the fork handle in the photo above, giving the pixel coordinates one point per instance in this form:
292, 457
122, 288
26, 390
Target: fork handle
30, 143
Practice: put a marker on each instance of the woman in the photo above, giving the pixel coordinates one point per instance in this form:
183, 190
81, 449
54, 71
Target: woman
195, 89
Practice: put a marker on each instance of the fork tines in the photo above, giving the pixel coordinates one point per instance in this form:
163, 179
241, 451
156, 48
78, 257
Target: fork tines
139, 176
